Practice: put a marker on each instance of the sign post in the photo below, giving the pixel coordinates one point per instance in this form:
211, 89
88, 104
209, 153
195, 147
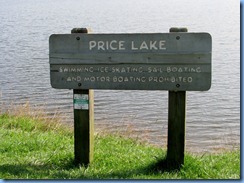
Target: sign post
177, 62
176, 123
83, 120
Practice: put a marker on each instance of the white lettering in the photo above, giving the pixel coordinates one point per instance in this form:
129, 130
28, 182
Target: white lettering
100, 45
92, 44
107, 45
189, 79
111, 45
132, 46
184, 69
198, 69
155, 69
143, 45
121, 79
121, 45
103, 69
162, 45
153, 45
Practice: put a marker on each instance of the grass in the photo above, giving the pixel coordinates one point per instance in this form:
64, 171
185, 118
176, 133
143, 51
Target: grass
35, 148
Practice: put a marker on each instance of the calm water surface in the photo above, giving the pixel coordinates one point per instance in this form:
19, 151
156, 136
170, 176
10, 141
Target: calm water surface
213, 117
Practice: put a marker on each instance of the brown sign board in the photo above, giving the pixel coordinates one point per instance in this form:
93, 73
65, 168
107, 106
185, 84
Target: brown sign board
158, 61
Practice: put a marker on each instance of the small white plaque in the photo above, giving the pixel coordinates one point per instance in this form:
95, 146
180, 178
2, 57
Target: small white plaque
81, 101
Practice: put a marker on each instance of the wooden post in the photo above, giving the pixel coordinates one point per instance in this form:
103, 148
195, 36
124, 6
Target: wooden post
83, 121
176, 124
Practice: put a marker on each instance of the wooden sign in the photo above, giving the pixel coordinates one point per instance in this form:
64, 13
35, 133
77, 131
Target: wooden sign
160, 61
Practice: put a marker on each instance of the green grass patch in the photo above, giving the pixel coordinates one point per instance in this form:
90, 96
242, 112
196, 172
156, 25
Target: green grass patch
33, 149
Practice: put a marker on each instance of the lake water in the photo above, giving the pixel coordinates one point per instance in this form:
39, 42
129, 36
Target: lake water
212, 118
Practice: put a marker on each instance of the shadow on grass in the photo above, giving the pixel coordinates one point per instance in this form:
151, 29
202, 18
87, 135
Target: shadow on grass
64, 171
35, 171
